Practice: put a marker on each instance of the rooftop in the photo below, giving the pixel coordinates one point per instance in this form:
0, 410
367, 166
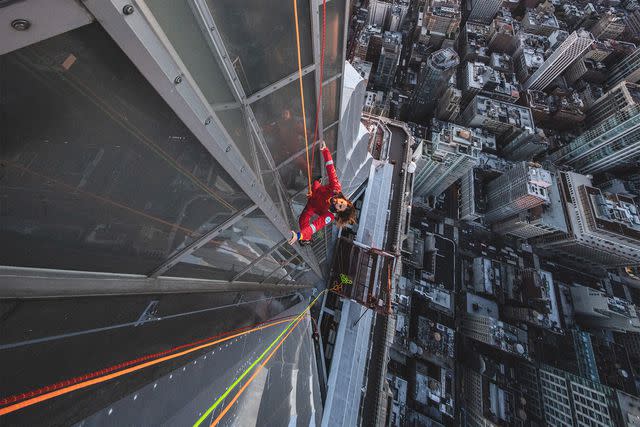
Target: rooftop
482, 76
444, 59
541, 18
435, 338
505, 112
481, 306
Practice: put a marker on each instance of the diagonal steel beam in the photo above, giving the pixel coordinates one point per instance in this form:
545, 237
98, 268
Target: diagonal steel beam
279, 84
257, 260
200, 242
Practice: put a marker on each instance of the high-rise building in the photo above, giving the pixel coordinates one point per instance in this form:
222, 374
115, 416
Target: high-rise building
628, 68
570, 400
474, 42
632, 26
166, 147
610, 25
483, 11
467, 208
522, 187
529, 54
526, 146
544, 219
389, 59
449, 104
379, 12
503, 119
618, 98
503, 38
603, 229
495, 333
441, 17
478, 78
612, 142
388, 14
569, 51
432, 80
596, 309
539, 21
450, 154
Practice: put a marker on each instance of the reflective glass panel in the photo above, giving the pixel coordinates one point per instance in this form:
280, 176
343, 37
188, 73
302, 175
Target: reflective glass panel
334, 37
331, 102
97, 171
260, 38
231, 251
179, 23
269, 264
280, 117
331, 137
294, 175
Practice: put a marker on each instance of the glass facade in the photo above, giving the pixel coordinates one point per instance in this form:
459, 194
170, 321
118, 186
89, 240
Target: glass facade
231, 251
261, 39
100, 173
280, 118
334, 55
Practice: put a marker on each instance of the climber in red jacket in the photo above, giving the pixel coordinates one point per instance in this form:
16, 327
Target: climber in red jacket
325, 201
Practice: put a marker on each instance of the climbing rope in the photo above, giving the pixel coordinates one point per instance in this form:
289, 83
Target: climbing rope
304, 115
319, 100
264, 358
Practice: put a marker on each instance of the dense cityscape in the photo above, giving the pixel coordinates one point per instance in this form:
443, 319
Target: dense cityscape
516, 304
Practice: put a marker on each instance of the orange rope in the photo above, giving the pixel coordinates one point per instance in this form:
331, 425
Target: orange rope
84, 384
304, 115
253, 376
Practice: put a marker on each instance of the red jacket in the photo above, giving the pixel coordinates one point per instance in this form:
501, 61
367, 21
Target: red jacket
320, 202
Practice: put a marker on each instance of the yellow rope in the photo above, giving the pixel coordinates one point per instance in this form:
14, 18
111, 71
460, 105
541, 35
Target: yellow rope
304, 115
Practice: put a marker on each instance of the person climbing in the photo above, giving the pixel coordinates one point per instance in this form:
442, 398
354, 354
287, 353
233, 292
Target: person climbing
325, 201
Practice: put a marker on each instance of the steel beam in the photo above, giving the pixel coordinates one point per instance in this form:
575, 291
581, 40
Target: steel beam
200, 242
43, 283
280, 84
330, 79
257, 260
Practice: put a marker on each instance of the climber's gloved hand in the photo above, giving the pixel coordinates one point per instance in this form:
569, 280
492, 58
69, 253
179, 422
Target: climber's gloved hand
294, 238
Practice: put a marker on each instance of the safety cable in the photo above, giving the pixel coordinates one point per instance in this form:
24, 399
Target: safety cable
319, 101
277, 342
304, 114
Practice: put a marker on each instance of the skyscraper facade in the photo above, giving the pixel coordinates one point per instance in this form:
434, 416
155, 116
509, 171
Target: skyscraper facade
610, 143
389, 59
570, 400
522, 187
451, 153
483, 11
569, 51
432, 79
620, 97
603, 229
627, 69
